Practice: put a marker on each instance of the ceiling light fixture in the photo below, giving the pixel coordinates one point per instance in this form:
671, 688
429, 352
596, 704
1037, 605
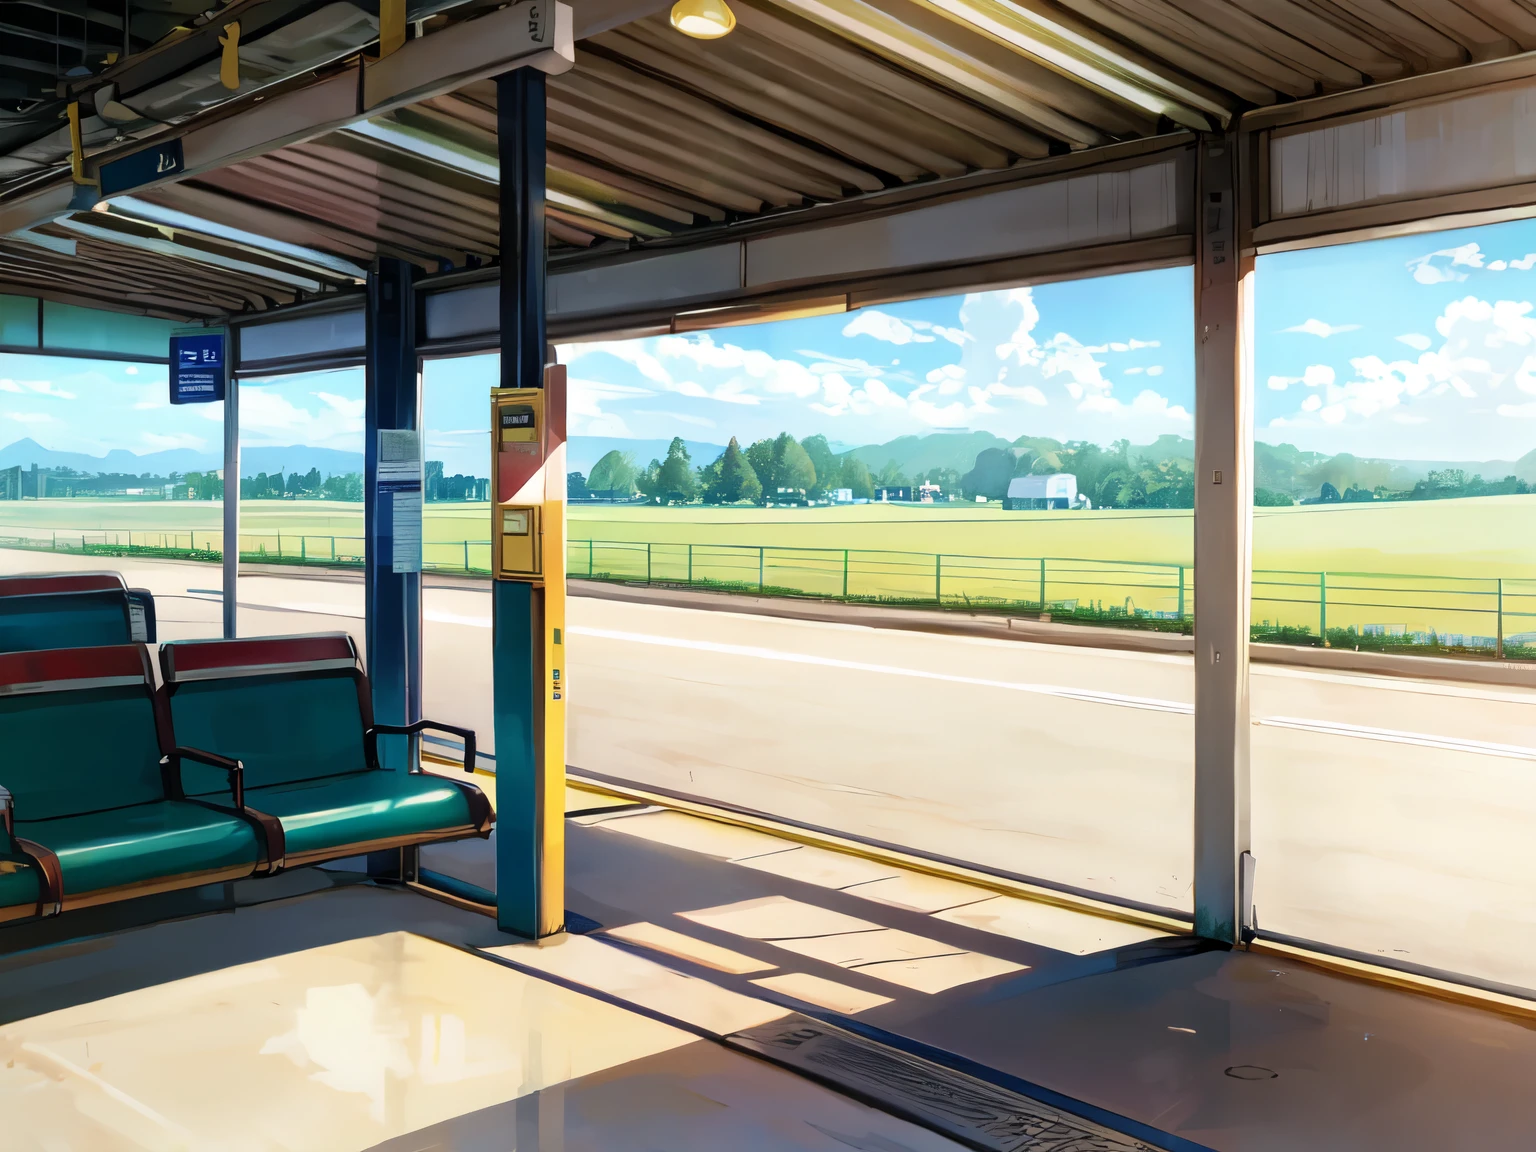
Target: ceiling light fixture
703, 19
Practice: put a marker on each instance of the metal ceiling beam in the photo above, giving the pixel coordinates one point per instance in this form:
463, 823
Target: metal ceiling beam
133, 208
164, 247
1083, 53
529, 34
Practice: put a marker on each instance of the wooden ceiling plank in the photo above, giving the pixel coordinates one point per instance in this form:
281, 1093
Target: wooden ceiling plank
585, 118
942, 105
1214, 44
780, 105
896, 127
591, 68
628, 183
1387, 19
1176, 50
731, 160
1480, 39
1505, 16
583, 143
1309, 26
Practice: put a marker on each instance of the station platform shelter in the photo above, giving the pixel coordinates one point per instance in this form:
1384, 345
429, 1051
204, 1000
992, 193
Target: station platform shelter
466, 818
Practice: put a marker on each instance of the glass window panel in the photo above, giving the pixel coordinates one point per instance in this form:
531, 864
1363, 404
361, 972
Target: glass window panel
93, 330
18, 321
98, 471
1395, 441
456, 548
301, 503
995, 458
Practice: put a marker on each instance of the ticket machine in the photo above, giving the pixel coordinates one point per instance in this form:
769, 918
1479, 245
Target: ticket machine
528, 564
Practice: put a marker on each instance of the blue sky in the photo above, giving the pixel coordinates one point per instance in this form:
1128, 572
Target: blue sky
1418, 347
1093, 359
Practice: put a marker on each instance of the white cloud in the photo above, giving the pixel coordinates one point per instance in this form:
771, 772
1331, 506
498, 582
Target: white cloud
1134, 344
584, 403
1486, 347
130, 370
1312, 403
1315, 376
1147, 404
1155, 370
30, 417
1519, 411
1315, 327
268, 417
350, 410
883, 326
1440, 267
160, 441
1525, 263
1497, 265
34, 388
949, 377
1415, 340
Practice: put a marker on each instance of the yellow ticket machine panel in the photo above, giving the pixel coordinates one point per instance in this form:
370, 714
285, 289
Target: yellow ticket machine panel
517, 417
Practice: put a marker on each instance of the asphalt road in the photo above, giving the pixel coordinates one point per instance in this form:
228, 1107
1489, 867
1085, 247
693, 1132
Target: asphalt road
1390, 816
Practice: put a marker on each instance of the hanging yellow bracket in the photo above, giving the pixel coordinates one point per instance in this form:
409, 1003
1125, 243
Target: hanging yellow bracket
76, 148
229, 62
391, 26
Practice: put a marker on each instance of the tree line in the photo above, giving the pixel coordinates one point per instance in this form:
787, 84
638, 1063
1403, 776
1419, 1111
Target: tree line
1113, 477
779, 469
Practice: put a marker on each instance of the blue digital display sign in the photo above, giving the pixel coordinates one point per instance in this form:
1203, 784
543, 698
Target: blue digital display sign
197, 368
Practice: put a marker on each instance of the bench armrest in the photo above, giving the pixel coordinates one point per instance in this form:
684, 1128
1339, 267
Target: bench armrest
8, 811
235, 768
371, 739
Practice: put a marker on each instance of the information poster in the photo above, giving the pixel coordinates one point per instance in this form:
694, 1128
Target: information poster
198, 366
399, 495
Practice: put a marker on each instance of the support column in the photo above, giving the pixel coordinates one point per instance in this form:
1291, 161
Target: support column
528, 616
1223, 560
392, 568
231, 546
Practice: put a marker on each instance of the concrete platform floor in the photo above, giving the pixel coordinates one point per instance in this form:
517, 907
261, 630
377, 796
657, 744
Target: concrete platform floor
1179, 1043
355, 1017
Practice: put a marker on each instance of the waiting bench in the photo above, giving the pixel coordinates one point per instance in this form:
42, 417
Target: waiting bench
108, 789
297, 713
91, 803
72, 610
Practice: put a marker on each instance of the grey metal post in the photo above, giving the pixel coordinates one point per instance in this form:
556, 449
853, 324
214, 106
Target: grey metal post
231, 501
1223, 559
1499, 643
392, 597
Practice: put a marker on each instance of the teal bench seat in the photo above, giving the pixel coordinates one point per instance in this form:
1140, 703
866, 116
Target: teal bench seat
93, 800
297, 711
72, 610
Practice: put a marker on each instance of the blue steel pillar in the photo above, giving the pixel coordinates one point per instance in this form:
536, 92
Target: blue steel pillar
527, 887
392, 599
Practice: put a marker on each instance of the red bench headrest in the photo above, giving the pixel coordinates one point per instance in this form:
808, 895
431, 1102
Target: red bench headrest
61, 669
184, 660
45, 584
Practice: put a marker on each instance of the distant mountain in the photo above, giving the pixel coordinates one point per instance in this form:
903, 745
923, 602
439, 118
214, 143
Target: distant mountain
914, 455
295, 458
581, 452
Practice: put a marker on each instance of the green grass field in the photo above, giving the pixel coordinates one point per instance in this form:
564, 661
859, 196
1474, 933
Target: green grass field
1446, 557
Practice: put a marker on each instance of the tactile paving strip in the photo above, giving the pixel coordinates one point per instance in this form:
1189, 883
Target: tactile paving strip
972, 1111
